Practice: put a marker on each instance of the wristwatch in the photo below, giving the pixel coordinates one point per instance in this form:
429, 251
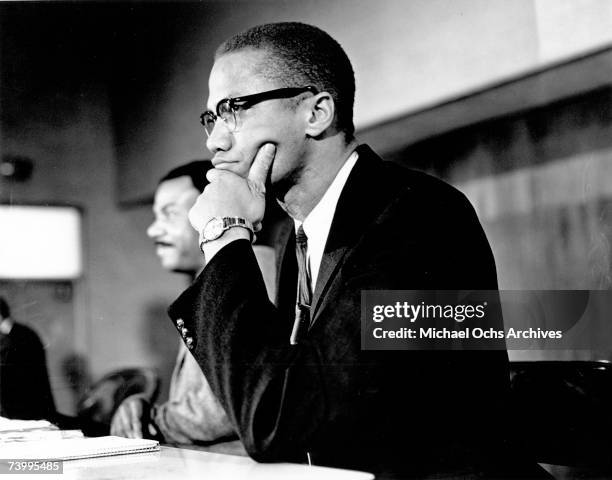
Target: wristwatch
216, 226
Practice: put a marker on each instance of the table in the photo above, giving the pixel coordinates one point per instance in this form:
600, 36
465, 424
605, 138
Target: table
182, 464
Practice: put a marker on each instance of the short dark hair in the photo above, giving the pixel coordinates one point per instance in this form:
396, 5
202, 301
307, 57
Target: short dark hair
196, 170
304, 55
5, 311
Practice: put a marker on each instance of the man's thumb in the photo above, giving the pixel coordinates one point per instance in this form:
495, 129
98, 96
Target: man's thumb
258, 173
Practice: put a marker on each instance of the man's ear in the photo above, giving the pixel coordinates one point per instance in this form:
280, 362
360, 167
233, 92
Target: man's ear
321, 114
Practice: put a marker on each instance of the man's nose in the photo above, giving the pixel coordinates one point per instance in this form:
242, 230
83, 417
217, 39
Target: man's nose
220, 138
154, 230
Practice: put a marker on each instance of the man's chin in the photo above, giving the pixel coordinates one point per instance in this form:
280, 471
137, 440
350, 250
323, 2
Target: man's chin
167, 263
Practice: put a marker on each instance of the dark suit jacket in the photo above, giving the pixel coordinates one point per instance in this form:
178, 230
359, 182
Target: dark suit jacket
395, 413
25, 391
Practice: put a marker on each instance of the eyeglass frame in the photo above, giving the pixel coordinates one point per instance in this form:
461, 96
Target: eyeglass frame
247, 101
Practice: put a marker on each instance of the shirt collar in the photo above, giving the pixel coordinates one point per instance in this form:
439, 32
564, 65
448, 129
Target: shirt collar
318, 222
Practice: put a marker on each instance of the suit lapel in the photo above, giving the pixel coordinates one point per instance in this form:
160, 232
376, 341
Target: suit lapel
329, 263
286, 269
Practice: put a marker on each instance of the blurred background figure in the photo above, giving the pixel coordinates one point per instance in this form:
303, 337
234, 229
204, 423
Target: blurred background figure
25, 392
192, 413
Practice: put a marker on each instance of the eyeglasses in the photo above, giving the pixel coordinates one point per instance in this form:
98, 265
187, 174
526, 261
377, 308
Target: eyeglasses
228, 107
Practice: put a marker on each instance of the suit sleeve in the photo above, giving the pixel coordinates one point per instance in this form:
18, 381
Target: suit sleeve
349, 406
34, 398
273, 392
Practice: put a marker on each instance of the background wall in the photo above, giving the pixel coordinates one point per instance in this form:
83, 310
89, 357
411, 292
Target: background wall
407, 55
104, 98
541, 183
56, 111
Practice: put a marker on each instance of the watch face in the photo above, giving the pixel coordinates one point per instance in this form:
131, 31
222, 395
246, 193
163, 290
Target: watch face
213, 229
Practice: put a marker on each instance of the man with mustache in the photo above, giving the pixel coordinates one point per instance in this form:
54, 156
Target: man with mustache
192, 413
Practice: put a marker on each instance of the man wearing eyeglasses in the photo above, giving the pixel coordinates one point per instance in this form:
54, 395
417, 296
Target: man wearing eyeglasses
292, 375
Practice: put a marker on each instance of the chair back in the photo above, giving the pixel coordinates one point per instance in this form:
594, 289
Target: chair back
97, 407
564, 410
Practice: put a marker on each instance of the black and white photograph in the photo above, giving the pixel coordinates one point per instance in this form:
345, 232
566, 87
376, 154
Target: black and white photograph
306, 239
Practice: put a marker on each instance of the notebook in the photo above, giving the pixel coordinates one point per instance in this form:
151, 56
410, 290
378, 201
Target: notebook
12, 425
29, 430
38, 434
77, 448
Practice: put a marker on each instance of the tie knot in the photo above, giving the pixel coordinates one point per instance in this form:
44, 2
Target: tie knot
300, 238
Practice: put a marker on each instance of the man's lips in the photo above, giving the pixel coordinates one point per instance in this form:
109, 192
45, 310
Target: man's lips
163, 244
221, 162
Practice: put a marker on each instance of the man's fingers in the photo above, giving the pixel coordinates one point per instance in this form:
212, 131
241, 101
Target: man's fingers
116, 426
212, 174
135, 416
121, 422
126, 421
258, 173
215, 174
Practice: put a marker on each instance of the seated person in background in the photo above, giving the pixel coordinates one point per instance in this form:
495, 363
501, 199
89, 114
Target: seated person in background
25, 392
192, 413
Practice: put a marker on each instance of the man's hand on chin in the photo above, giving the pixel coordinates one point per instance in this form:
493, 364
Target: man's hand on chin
230, 195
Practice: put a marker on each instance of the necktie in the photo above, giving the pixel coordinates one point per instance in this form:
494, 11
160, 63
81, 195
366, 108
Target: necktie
304, 294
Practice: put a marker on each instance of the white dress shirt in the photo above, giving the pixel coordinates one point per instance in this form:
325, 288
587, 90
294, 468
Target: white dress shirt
319, 220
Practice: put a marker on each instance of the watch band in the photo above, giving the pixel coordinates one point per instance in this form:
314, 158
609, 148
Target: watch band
223, 224
229, 222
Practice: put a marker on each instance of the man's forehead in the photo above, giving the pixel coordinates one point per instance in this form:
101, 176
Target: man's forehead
174, 190
236, 74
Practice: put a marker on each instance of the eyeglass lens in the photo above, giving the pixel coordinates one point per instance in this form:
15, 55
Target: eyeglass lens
225, 112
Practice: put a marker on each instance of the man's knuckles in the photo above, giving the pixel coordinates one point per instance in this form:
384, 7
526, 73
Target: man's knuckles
216, 175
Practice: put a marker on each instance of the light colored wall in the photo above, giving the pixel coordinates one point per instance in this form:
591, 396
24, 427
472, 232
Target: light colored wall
407, 54
61, 119
119, 303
